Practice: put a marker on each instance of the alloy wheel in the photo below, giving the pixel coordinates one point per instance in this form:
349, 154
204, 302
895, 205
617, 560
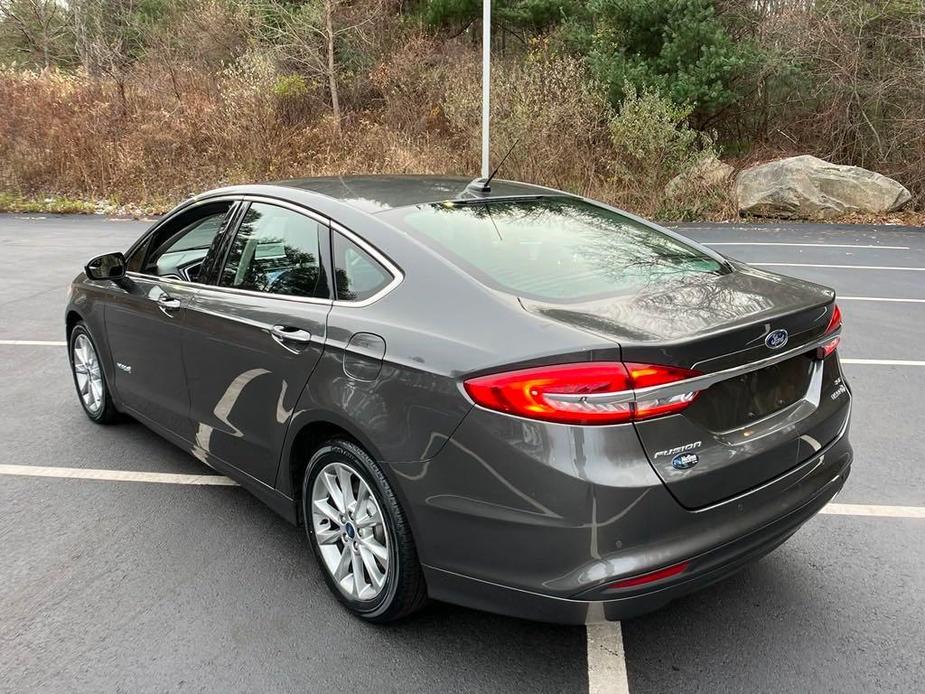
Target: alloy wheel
87, 372
350, 531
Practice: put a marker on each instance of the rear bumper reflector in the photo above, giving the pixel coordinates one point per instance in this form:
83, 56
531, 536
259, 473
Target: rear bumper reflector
650, 577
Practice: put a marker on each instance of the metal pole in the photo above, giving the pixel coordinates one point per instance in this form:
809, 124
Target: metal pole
486, 82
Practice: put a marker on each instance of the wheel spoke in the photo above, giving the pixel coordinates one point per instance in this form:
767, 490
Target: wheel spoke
334, 491
358, 583
343, 565
376, 575
327, 537
373, 545
362, 496
324, 508
345, 482
368, 521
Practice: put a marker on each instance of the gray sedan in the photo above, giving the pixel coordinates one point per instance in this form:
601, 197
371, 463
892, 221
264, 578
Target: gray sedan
489, 393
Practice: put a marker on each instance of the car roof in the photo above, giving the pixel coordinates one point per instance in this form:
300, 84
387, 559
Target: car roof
374, 194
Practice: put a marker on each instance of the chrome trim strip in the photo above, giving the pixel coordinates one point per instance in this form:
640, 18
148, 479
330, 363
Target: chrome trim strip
691, 384
179, 209
267, 295
391, 268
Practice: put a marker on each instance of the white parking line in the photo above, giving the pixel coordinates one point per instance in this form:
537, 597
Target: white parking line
880, 298
38, 343
842, 267
221, 480
606, 660
874, 511
883, 362
807, 245
115, 475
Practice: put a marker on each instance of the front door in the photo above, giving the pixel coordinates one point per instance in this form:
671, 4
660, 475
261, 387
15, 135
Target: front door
144, 321
253, 339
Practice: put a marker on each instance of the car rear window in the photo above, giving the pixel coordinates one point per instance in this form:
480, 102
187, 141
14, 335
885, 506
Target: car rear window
552, 249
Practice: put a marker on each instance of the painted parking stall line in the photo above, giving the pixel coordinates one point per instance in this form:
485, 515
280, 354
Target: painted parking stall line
222, 481
606, 659
881, 298
882, 362
843, 267
35, 343
874, 511
806, 245
116, 475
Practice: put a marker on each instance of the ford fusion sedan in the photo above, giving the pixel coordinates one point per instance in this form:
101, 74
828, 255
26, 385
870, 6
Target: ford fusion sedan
492, 394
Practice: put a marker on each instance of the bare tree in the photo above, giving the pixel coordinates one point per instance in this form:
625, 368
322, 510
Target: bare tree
40, 28
310, 34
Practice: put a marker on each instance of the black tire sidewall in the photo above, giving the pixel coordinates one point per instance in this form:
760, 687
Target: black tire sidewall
105, 412
362, 465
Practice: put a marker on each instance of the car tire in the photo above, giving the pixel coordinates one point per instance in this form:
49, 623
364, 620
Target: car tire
332, 534
89, 376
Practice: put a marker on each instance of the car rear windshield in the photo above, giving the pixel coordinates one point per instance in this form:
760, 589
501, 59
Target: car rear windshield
553, 249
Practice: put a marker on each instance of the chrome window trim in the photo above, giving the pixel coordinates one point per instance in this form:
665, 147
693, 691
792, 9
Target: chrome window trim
377, 255
691, 384
176, 211
390, 267
267, 295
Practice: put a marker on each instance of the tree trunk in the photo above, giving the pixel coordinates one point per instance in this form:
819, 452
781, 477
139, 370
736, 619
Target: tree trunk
332, 68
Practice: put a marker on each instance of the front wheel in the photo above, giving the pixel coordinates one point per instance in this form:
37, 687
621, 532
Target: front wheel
89, 378
360, 535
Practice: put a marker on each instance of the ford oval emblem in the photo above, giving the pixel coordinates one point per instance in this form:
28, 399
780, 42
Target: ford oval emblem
777, 339
685, 461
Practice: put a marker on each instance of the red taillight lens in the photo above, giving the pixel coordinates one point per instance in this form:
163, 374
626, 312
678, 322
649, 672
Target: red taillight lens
584, 393
645, 375
834, 324
651, 577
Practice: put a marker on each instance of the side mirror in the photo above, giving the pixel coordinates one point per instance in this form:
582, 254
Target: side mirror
109, 266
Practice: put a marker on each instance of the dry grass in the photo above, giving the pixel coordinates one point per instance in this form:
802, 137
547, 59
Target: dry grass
76, 137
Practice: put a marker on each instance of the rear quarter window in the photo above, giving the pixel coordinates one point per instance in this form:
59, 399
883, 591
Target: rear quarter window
553, 249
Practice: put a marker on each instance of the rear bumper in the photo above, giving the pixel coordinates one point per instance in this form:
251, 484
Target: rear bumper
539, 525
703, 570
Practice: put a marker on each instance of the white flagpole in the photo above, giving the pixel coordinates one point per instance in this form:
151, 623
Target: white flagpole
486, 83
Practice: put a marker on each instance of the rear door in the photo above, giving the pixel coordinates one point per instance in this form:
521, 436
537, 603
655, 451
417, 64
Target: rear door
255, 334
145, 319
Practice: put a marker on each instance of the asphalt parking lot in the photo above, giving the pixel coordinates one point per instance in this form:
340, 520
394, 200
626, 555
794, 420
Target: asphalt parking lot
138, 586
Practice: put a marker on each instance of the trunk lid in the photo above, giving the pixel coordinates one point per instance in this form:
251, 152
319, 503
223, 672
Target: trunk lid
754, 424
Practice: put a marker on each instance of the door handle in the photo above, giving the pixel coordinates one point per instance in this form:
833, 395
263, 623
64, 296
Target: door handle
285, 333
167, 303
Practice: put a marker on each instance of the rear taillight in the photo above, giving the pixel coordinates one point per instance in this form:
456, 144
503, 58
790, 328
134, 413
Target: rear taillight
583, 393
834, 324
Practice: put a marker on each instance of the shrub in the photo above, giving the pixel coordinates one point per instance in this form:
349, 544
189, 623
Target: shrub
678, 47
652, 144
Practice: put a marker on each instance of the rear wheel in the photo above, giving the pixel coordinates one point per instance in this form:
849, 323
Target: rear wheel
89, 378
360, 535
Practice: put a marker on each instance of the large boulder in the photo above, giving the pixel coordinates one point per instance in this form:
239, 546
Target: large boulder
808, 187
707, 173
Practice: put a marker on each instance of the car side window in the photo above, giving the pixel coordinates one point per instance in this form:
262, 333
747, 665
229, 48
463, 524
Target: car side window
357, 275
277, 251
178, 249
